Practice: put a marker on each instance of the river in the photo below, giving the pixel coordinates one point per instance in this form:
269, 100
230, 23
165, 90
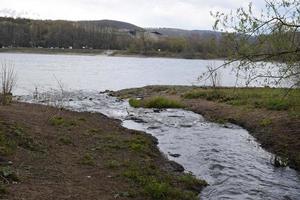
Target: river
98, 72
227, 156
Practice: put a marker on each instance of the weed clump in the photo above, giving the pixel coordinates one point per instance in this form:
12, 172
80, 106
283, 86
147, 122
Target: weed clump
65, 140
57, 121
113, 164
266, 122
88, 159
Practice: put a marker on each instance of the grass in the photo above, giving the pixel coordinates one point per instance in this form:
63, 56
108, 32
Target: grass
57, 121
113, 164
160, 186
13, 136
147, 179
156, 102
266, 122
88, 159
191, 182
139, 144
9, 174
65, 140
60, 121
267, 98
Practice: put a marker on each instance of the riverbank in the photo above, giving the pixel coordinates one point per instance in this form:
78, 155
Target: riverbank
49, 153
55, 51
165, 54
270, 115
117, 53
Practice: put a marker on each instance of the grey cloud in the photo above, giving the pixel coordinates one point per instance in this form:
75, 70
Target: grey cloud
189, 14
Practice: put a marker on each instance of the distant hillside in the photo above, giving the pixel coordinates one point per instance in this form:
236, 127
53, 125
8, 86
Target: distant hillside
110, 24
172, 32
101, 34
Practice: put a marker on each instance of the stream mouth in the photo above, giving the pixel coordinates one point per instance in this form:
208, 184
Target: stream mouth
226, 156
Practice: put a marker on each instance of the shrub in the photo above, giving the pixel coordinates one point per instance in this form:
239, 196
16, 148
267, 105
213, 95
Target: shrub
135, 103
8, 82
162, 102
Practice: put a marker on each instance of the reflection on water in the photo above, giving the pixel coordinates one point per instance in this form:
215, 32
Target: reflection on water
225, 155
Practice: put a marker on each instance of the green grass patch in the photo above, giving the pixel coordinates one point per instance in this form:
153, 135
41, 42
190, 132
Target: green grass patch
268, 98
158, 185
277, 104
138, 144
266, 122
88, 159
191, 182
94, 131
60, 121
12, 136
135, 103
82, 119
9, 174
57, 121
65, 140
7, 144
113, 164
110, 143
156, 102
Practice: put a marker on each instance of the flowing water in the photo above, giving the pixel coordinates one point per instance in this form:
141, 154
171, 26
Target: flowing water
232, 162
225, 155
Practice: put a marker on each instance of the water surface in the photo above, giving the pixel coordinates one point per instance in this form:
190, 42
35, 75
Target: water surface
76, 72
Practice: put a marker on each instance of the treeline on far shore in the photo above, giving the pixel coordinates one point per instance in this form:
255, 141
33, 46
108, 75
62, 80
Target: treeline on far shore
48, 34
73, 36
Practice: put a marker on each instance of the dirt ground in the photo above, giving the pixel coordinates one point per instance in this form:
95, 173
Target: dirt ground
47, 153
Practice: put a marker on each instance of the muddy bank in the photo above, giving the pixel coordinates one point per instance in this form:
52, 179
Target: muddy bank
49, 153
276, 131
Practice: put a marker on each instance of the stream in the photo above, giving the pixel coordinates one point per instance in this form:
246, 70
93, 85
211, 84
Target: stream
226, 156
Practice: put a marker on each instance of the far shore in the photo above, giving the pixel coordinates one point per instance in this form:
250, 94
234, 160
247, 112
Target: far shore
54, 51
116, 53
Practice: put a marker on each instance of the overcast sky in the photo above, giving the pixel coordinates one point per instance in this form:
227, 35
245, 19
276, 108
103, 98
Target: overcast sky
186, 14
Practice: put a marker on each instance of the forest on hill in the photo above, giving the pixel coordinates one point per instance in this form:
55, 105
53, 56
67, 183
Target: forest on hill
109, 34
